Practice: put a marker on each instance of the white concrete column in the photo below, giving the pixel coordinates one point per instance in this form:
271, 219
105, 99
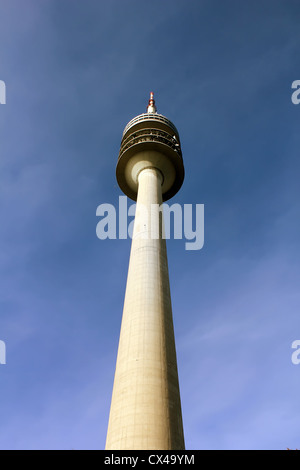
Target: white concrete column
145, 408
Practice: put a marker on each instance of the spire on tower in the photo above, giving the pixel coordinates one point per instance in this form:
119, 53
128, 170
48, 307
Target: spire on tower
151, 104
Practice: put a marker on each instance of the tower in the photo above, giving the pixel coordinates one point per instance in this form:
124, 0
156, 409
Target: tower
145, 408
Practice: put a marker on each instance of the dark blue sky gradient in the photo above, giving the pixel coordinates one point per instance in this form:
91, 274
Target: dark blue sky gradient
76, 72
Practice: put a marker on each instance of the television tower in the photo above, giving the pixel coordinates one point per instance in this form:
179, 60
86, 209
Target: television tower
145, 408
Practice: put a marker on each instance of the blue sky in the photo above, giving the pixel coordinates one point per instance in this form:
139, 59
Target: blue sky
76, 72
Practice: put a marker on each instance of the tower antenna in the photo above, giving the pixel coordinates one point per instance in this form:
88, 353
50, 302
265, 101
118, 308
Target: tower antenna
151, 104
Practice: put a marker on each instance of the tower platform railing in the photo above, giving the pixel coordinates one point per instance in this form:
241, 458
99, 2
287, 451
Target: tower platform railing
150, 135
150, 117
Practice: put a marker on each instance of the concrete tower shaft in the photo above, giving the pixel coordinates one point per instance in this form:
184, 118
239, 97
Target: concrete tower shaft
145, 408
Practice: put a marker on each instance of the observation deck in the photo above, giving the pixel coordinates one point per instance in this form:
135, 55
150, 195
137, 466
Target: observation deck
150, 140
